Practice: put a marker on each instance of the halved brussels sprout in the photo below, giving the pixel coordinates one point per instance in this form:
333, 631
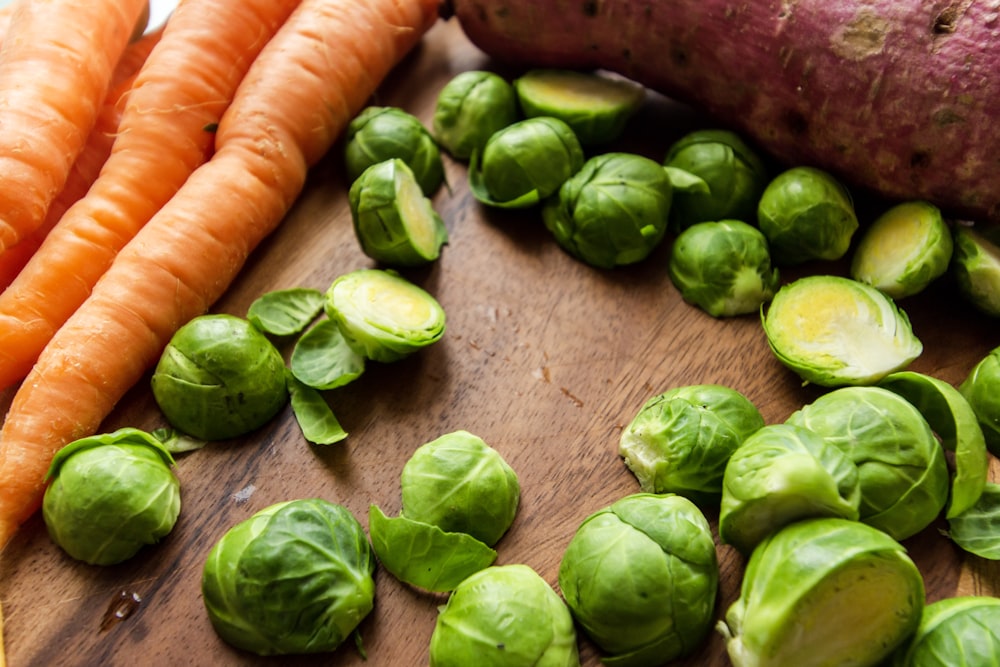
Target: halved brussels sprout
780, 474
381, 133
903, 472
680, 440
470, 108
723, 267
383, 316
219, 377
733, 174
640, 577
836, 331
976, 267
504, 616
393, 220
296, 577
596, 105
824, 591
613, 211
904, 249
524, 163
981, 388
110, 495
806, 214
961, 631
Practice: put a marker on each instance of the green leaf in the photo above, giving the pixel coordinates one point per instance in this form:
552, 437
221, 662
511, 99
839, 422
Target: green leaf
684, 181
285, 312
322, 358
977, 529
318, 423
176, 441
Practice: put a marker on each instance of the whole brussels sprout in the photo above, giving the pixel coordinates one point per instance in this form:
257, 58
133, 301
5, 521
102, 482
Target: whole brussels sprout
783, 473
976, 267
680, 440
470, 108
381, 133
613, 211
525, 162
981, 388
723, 267
806, 214
903, 472
640, 577
823, 591
219, 377
733, 173
296, 577
110, 495
960, 631
504, 616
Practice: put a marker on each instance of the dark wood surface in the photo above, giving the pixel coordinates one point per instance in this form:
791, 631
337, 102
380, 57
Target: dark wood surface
545, 358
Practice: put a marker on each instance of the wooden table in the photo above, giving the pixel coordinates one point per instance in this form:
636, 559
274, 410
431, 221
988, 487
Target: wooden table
544, 357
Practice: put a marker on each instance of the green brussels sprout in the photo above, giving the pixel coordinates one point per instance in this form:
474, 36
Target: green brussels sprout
296, 577
640, 577
783, 473
504, 616
613, 211
903, 472
975, 529
219, 377
110, 495
806, 214
460, 484
381, 133
524, 163
383, 316
470, 108
981, 388
835, 331
680, 440
393, 220
904, 249
823, 591
733, 173
723, 267
959, 631
976, 267
596, 105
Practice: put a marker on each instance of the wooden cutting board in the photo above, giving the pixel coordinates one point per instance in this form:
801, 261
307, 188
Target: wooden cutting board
544, 357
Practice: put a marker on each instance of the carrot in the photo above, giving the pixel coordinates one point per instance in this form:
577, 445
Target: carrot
56, 62
181, 92
308, 82
90, 160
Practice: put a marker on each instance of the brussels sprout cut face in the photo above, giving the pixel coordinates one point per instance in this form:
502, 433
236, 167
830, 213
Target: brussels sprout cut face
470, 108
835, 331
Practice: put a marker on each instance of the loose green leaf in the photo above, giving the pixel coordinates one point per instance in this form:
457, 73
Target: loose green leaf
977, 529
318, 423
285, 312
682, 180
322, 359
177, 442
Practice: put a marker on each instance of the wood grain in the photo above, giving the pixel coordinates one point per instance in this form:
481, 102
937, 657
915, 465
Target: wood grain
545, 358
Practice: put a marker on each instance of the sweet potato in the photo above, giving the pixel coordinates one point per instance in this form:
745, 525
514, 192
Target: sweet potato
899, 97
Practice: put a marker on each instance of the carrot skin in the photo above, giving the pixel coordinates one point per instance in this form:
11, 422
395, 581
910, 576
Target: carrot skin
316, 73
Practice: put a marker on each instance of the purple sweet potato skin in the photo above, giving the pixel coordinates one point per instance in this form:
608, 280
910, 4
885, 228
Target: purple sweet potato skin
899, 97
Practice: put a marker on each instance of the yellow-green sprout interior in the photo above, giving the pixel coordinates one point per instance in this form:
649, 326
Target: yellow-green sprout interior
578, 91
417, 215
390, 303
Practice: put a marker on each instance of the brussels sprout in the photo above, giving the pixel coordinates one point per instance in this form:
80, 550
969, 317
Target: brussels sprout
109, 495
981, 388
596, 105
613, 211
783, 473
902, 467
976, 267
975, 529
823, 591
959, 631
393, 220
504, 616
733, 173
470, 108
219, 377
903, 250
806, 214
524, 163
640, 577
723, 267
296, 577
836, 331
381, 133
680, 440
383, 316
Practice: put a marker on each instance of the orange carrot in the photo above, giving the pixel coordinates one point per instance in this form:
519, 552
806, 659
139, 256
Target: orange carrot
90, 160
181, 92
56, 61
303, 89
